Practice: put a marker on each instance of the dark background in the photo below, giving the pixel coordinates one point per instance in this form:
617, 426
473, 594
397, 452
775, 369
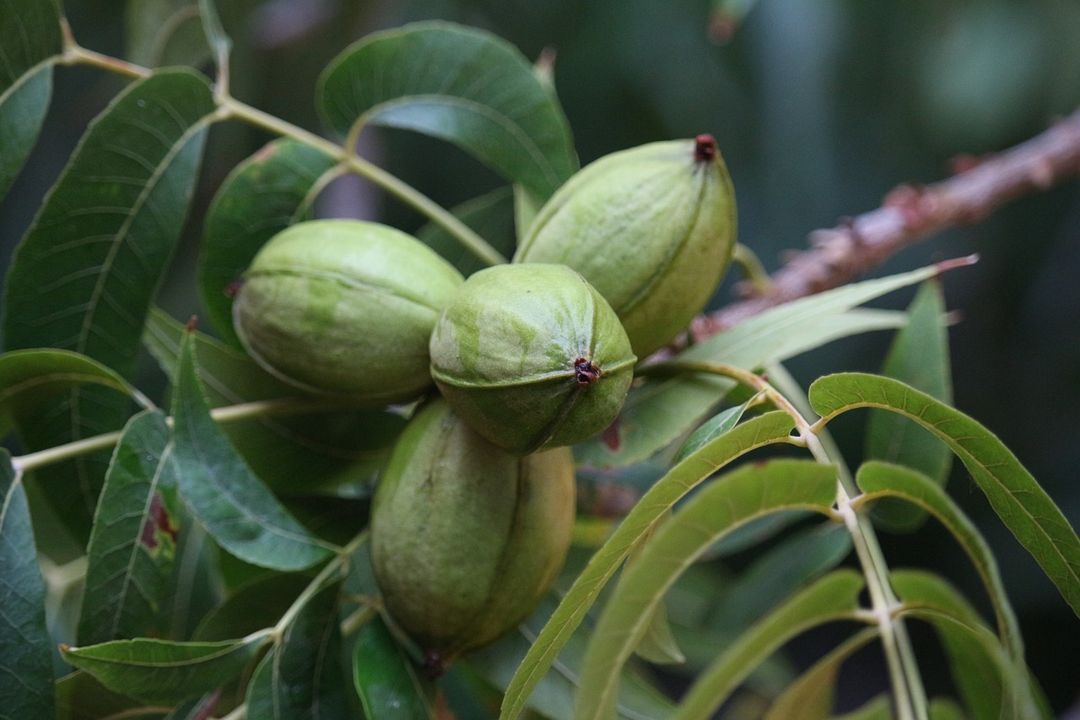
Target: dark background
819, 109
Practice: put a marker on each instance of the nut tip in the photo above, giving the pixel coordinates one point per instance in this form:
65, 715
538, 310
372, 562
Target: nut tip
704, 147
585, 373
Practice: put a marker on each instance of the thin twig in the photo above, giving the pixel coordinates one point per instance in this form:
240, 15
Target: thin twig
909, 215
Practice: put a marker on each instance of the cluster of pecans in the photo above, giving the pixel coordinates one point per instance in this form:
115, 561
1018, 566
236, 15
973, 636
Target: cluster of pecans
473, 514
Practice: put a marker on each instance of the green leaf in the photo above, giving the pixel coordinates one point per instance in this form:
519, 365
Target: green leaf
919, 356
881, 480
133, 544
301, 678
329, 452
30, 42
238, 511
262, 196
945, 709
526, 208
490, 215
880, 708
165, 32
162, 672
31, 379
711, 428
742, 495
457, 84
258, 604
26, 673
833, 597
198, 709
387, 682
1016, 497
554, 695
657, 645
811, 696
80, 697
84, 276
219, 42
662, 410
767, 429
991, 684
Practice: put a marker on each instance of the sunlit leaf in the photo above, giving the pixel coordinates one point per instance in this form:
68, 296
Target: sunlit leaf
919, 356
26, 674
1016, 497
811, 696
459, 84
490, 215
238, 511
746, 493
767, 429
991, 684
878, 480
30, 41
86, 272
302, 678
329, 452
388, 683
158, 671
31, 379
658, 413
262, 196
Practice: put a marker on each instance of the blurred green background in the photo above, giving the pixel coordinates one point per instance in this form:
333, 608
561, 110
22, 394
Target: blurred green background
819, 109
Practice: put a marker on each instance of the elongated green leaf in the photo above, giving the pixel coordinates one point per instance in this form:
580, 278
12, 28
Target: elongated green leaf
811, 696
158, 671
834, 597
84, 276
225, 497
262, 196
133, 543
1016, 497
26, 679
767, 429
31, 379
329, 452
458, 84
302, 677
919, 356
659, 412
30, 41
491, 215
945, 709
388, 684
742, 495
714, 427
879, 480
991, 684
880, 708
80, 697
165, 32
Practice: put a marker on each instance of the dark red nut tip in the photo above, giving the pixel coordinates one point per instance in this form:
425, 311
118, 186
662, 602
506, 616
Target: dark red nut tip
704, 147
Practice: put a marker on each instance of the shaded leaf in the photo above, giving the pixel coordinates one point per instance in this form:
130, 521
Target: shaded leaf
133, 544
31, 379
26, 672
992, 685
767, 429
388, 683
328, 452
30, 41
919, 356
490, 215
238, 511
880, 708
80, 697
662, 410
198, 709
711, 428
219, 42
301, 678
163, 672
459, 84
554, 695
258, 604
811, 696
745, 493
833, 597
165, 32
85, 273
262, 196
878, 480
1016, 497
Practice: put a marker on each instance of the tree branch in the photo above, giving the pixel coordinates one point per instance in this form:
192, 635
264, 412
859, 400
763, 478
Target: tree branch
908, 215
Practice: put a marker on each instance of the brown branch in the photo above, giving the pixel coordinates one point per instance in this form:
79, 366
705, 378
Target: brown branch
910, 214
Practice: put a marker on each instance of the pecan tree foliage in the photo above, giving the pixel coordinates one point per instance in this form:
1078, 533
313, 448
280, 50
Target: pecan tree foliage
226, 568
